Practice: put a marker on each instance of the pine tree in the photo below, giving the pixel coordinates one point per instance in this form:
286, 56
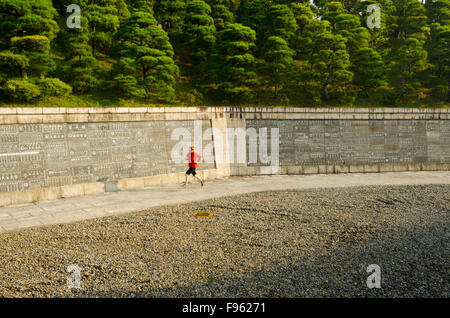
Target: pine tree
437, 46
410, 19
438, 11
349, 26
280, 21
346, 24
407, 56
278, 63
231, 71
369, 70
331, 64
303, 15
221, 12
330, 11
103, 18
170, 14
439, 56
86, 49
12, 65
252, 13
309, 29
198, 33
144, 59
26, 29
408, 61
142, 6
379, 36
80, 66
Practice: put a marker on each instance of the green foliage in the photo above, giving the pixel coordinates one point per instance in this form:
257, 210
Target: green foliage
438, 48
129, 86
53, 87
26, 29
23, 17
369, 70
349, 26
409, 20
80, 66
143, 52
330, 64
331, 11
170, 14
379, 37
303, 15
20, 90
32, 43
306, 39
252, 13
280, 22
36, 48
198, 33
222, 12
231, 71
142, 5
438, 11
408, 61
12, 65
278, 63
228, 51
103, 18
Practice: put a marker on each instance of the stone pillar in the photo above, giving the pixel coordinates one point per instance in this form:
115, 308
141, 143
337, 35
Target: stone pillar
219, 126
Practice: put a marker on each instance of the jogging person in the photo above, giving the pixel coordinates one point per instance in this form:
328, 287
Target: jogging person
193, 158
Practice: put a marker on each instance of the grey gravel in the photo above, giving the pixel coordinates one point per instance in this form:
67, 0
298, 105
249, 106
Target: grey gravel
302, 243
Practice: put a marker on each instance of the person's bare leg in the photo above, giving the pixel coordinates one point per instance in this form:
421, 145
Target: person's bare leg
186, 179
199, 179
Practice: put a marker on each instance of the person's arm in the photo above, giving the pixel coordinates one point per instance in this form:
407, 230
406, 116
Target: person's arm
198, 158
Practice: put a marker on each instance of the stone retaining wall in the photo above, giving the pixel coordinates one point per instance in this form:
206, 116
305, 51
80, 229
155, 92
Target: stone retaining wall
50, 153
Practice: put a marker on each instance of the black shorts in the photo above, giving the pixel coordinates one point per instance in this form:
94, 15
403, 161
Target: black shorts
191, 170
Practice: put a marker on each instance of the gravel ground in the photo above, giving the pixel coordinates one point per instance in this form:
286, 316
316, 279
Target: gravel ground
313, 243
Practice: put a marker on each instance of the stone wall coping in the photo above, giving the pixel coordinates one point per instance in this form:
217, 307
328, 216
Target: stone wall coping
224, 109
14, 115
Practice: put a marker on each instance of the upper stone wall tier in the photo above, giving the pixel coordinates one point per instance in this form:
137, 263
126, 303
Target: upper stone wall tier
27, 115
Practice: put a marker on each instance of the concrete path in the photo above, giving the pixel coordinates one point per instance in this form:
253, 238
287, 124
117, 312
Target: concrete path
87, 207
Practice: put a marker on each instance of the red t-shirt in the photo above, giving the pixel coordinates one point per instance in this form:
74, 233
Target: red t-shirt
193, 159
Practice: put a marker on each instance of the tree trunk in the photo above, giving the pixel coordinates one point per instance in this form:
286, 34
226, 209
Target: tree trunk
144, 73
93, 43
325, 91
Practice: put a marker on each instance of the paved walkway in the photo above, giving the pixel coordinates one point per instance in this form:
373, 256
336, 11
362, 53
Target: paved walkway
92, 206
